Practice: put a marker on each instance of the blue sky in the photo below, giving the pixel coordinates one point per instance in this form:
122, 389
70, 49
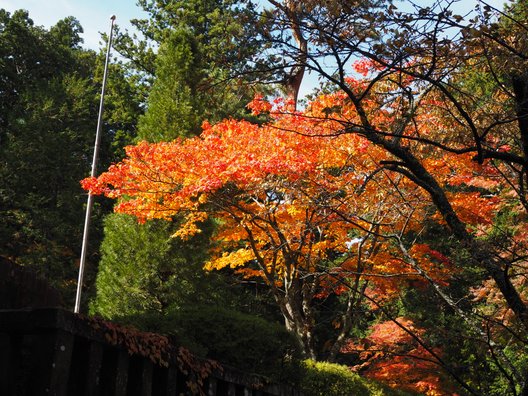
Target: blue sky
94, 15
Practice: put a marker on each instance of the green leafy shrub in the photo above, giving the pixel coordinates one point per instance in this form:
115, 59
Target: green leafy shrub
329, 379
246, 342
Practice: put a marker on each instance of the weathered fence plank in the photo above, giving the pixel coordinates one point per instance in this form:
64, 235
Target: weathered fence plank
93, 374
5, 363
121, 380
61, 363
172, 381
146, 378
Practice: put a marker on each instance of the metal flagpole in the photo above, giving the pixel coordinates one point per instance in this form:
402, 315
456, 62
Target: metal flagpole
89, 204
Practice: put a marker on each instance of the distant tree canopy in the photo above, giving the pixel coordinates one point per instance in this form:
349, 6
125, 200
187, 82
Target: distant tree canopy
48, 110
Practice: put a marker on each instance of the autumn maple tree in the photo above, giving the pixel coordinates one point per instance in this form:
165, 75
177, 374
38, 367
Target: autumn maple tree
336, 201
298, 203
469, 74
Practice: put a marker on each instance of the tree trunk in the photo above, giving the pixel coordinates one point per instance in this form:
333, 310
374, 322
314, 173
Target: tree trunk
298, 322
292, 84
520, 90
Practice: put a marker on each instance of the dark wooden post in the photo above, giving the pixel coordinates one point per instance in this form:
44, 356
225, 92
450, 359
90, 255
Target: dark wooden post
61, 363
247, 391
172, 381
93, 375
146, 378
212, 386
6, 362
51, 363
121, 374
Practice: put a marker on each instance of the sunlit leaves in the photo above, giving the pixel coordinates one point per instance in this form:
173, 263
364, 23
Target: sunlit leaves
392, 355
308, 202
296, 189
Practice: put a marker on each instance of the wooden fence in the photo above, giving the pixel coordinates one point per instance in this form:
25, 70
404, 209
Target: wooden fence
54, 352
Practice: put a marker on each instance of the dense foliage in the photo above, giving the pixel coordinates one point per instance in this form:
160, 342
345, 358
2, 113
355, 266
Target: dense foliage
146, 277
384, 223
48, 109
144, 270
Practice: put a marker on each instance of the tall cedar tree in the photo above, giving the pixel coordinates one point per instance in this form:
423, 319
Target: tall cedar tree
191, 84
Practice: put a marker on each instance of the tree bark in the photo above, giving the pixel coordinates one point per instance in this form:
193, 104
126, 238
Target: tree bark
292, 83
297, 323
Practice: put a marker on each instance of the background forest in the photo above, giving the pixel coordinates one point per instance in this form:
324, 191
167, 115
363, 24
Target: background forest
368, 239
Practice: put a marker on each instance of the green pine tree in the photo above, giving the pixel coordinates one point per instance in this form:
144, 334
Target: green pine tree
190, 86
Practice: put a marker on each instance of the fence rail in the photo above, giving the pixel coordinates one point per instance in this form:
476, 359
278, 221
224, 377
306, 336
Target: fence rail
54, 352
